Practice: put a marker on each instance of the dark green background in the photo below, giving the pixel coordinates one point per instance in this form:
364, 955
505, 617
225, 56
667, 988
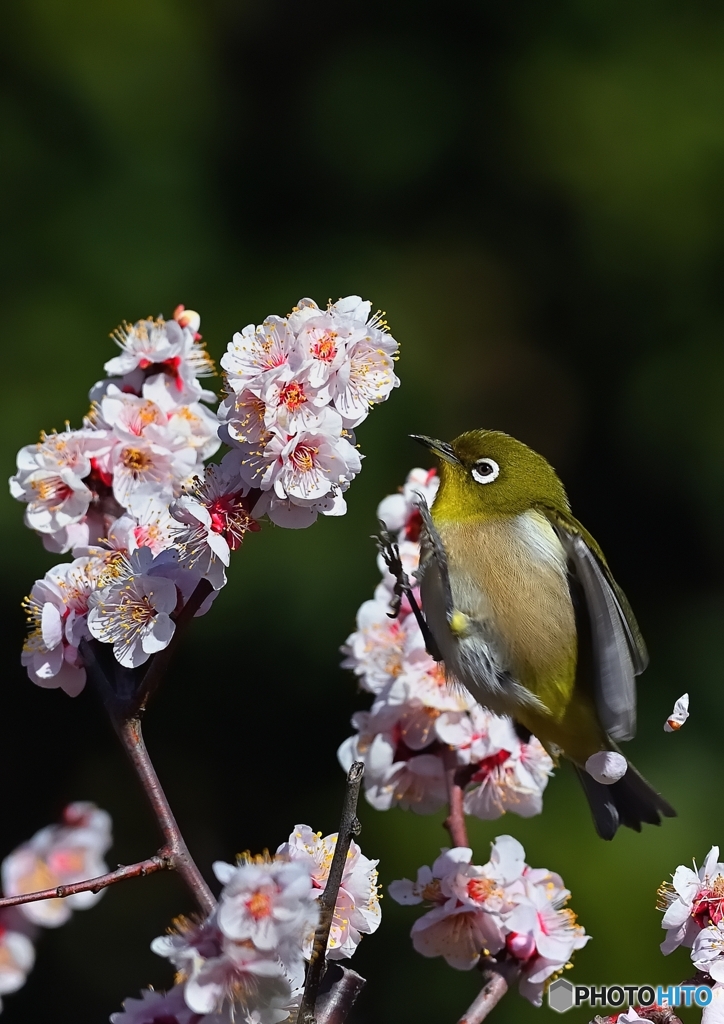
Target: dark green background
533, 192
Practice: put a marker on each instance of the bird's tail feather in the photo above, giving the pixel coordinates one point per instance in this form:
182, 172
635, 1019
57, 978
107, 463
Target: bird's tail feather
631, 802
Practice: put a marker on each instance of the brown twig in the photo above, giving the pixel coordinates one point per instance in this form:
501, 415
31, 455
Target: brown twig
349, 826
132, 739
500, 975
338, 994
455, 821
163, 861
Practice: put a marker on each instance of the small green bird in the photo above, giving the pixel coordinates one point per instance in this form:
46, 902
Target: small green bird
526, 615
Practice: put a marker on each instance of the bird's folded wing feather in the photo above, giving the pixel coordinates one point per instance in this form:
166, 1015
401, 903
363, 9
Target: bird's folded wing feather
618, 647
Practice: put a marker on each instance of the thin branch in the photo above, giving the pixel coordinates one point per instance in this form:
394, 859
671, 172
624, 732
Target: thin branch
455, 821
132, 739
349, 826
500, 976
338, 994
163, 861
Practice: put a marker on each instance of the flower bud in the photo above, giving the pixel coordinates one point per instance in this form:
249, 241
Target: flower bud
606, 766
187, 318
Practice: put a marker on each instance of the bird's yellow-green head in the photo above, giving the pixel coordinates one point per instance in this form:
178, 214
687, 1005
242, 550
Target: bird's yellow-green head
487, 474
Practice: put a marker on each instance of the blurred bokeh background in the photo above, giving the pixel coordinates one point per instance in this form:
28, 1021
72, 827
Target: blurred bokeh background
533, 191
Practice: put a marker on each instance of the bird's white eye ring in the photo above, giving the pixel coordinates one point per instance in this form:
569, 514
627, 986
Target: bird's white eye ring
485, 471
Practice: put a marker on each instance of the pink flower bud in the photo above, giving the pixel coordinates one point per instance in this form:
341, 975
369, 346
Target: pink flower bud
521, 945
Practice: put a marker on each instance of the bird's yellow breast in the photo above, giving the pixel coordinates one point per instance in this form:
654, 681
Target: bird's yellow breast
511, 574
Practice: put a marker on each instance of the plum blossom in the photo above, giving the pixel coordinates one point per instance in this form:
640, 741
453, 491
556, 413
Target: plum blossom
357, 909
57, 855
171, 349
375, 651
56, 609
514, 782
350, 352
714, 1011
53, 478
152, 526
296, 386
210, 521
306, 473
217, 974
132, 478
257, 355
414, 783
542, 931
244, 962
17, 956
679, 715
692, 901
707, 952
400, 513
502, 907
156, 1008
268, 904
148, 458
458, 929
132, 609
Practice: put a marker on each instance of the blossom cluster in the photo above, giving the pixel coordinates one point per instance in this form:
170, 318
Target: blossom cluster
502, 907
693, 905
56, 855
297, 387
128, 493
418, 718
246, 961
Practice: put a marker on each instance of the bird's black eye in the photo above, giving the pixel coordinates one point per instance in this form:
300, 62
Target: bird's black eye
485, 471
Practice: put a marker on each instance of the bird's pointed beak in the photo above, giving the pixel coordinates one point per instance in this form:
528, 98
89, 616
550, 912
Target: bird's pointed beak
441, 448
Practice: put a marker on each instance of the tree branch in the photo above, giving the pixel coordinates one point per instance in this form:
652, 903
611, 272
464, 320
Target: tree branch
349, 826
162, 861
500, 975
131, 736
455, 821
337, 994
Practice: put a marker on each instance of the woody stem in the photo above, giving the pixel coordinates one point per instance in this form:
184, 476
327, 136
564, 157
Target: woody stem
129, 731
349, 826
500, 975
162, 861
455, 821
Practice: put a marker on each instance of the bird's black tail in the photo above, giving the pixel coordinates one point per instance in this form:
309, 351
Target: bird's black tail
631, 802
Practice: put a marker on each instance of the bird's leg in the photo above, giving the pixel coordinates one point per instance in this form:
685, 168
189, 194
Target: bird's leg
390, 552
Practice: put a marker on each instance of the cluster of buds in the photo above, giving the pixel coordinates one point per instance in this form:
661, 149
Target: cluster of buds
693, 905
128, 493
56, 855
418, 722
246, 961
500, 909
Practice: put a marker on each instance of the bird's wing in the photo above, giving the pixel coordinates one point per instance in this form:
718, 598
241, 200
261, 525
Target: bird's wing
619, 651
